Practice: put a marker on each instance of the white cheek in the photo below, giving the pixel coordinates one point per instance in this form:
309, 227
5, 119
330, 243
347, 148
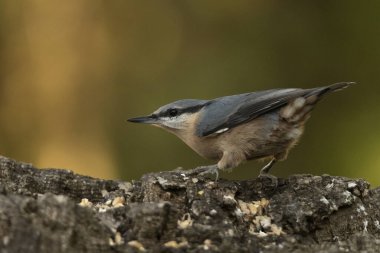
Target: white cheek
175, 122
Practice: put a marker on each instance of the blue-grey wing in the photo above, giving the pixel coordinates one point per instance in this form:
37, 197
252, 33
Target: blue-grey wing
225, 113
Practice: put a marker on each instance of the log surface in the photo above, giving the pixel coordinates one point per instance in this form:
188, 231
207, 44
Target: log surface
54, 210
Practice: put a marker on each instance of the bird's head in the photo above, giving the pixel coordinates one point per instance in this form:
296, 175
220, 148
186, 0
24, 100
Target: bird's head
174, 117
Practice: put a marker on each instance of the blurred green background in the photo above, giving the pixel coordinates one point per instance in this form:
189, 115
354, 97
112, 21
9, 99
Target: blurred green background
72, 71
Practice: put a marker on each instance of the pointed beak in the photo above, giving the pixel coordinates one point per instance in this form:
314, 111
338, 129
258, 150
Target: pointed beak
145, 120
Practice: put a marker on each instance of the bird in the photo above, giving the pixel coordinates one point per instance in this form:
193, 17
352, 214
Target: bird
234, 129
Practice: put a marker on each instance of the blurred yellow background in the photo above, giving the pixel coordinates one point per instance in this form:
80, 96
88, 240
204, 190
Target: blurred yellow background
72, 72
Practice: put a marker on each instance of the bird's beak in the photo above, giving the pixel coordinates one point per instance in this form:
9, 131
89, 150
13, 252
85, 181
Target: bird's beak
145, 120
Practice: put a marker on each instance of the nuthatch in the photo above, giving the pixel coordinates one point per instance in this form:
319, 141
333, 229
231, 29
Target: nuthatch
237, 128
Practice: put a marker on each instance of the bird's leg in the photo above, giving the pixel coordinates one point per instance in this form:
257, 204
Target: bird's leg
203, 170
264, 173
266, 168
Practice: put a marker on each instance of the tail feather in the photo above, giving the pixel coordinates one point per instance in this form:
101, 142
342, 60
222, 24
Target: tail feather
319, 92
299, 110
339, 86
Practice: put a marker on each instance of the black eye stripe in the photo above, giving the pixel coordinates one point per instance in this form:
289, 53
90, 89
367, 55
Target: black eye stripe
173, 112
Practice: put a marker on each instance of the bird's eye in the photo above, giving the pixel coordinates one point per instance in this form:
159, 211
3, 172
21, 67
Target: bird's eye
173, 112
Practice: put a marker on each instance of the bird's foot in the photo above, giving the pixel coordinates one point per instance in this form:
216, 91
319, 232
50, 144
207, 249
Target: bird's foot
204, 170
273, 181
264, 173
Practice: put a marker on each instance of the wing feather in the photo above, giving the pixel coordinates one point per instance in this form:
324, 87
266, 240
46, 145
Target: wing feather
228, 112
224, 113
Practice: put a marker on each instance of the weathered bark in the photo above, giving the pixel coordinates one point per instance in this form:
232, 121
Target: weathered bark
46, 211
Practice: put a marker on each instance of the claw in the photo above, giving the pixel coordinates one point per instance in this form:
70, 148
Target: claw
273, 179
204, 170
212, 169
